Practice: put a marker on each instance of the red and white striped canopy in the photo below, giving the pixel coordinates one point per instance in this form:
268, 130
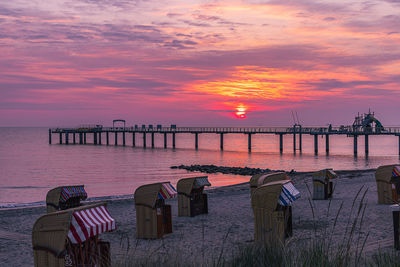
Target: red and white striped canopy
90, 222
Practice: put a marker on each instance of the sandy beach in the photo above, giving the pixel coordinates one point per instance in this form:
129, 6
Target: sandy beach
227, 227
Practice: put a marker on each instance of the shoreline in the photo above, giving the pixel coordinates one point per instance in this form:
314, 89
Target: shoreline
113, 198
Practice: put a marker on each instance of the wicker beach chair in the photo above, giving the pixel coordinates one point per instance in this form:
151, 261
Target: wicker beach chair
322, 184
153, 216
388, 184
262, 178
65, 197
191, 199
272, 209
70, 237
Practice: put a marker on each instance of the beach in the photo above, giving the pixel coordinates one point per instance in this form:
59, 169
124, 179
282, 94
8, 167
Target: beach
228, 226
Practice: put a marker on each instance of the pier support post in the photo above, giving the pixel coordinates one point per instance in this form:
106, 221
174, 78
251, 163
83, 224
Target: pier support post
249, 141
84, 138
107, 138
123, 138
74, 138
80, 138
316, 144
61, 138
99, 138
116, 138
152, 140
327, 144
196, 141
144, 139
173, 140
355, 145
281, 143
221, 145
300, 141
95, 138
294, 140
133, 139
366, 144
66, 138
165, 140
49, 136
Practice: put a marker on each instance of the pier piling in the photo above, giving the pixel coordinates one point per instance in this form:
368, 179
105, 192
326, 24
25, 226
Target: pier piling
123, 138
133, 139
300, 141
196, 141
66, 138
355, 145
107, 138
61, 138
84, 138
49, 136
316, 144
74, 138
366, 143
152, 140
249, 141
95, 138
116, 138
281, 143
221, 143
173, 140
327, 144
165, 140
80, 138
99, 138
144, 139
294, 140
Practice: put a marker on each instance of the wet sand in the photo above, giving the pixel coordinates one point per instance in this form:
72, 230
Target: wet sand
228, 226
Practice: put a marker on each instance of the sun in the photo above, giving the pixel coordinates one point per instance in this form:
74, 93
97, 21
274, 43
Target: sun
241, 111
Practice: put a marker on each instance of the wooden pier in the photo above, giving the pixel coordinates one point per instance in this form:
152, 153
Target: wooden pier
79, 134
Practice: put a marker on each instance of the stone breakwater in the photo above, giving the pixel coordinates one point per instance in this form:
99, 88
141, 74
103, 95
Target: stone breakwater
225, 170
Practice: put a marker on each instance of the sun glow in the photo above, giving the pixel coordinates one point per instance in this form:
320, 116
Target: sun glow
241, 111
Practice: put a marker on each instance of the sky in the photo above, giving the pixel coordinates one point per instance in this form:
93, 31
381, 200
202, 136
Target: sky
198, 63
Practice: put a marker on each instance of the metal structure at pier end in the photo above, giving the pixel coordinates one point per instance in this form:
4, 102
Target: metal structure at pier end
364, 125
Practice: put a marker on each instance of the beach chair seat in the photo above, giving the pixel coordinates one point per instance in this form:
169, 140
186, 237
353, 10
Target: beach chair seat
192, 200
322, 184
388, 184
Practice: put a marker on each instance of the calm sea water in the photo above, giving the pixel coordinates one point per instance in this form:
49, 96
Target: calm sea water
29, 166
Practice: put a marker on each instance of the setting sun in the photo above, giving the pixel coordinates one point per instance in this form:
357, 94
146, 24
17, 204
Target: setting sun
241, 111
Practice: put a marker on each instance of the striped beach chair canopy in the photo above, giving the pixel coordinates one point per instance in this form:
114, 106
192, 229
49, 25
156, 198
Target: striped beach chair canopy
148, 194
288, 195
396, 171
68, 192
200, 182
87, 223
167, 191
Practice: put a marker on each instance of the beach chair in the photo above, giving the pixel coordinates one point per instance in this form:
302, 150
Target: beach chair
262, 178
65, 197
71, 237
396, 225
388, 184
191, 199
322, 184
153, 216
272, 209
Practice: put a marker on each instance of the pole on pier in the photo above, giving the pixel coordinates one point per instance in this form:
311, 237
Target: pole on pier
66, 138
327, 144
144, 139
74, 138
116, 138
316, 144
281, 143
196, 140
366, 145
108, 138
152, 140
95, 138
249, 141
165, 140
80, 138
355, 145
123, 138
84, 138
60, 138
173, 140
99, 138
133, 139
49, 136
221, 145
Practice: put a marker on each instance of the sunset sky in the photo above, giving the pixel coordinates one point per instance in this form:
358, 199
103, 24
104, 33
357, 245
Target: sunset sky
185, 62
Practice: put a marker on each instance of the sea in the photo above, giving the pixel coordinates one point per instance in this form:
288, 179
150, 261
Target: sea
30, 166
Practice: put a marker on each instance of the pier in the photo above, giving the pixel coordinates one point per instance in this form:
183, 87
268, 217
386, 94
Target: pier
296, 131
